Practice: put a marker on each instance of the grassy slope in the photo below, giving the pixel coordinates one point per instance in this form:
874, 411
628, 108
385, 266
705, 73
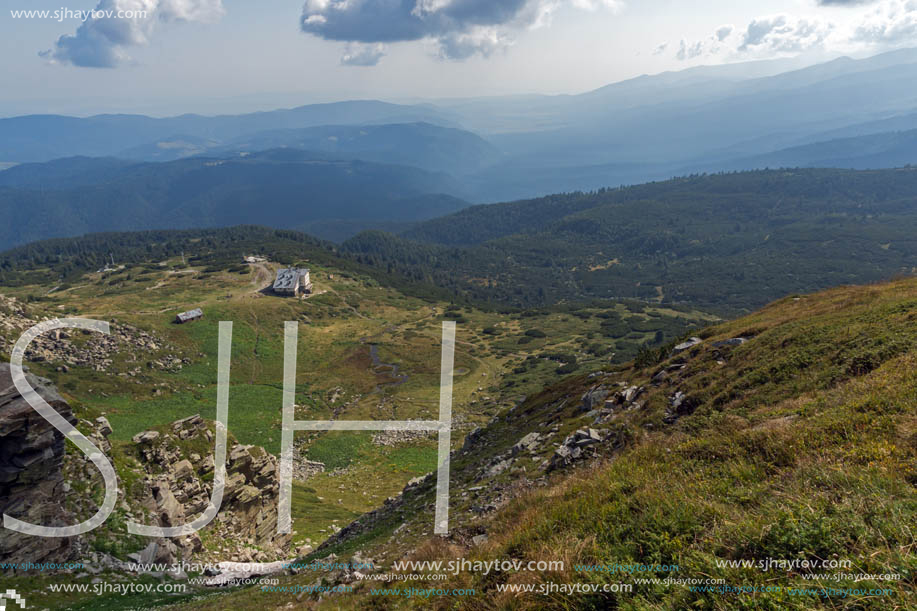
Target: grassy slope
332, 361
803, 444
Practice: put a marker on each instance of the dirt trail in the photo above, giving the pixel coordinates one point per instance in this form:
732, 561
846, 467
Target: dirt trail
263, 277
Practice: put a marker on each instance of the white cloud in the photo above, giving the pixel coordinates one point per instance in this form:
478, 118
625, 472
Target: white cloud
724, 31
477, 41
688, 50
103, 38
784, 34
362, 54
846, 26
890, 23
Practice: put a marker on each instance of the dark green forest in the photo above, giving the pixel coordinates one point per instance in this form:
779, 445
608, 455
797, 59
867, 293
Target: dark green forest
725, 242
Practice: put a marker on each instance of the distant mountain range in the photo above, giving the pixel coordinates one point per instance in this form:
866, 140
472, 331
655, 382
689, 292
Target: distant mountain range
288, 189
882, 150
336, 169
423, 145
701, 119
46, 137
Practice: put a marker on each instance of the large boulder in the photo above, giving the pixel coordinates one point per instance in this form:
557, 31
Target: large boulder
687, 345
594, 399
180, 484
32, 488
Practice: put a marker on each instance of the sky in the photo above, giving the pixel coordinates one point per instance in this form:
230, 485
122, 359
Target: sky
227, 56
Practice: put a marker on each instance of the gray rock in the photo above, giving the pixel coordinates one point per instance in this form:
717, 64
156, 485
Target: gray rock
145, 437
680, 404
30, 489
632, 393
183, 469
677, 399
415, 482
104, 426
169, 510
528, 443
585, 437
564, 456
594, 399
686, 345
665, 372
189, 422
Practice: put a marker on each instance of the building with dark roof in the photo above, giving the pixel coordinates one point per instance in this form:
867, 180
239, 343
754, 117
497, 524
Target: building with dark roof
292, 282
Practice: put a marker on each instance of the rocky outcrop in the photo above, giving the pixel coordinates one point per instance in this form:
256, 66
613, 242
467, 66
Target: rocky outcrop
666, 373
31, 484
95, 350
14, 319
577, 446
179, 482
394, 438
594, 398
70, 347
304, 469
529, 443
602, 405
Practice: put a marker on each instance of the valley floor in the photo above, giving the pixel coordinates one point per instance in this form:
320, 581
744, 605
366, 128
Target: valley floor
366, 352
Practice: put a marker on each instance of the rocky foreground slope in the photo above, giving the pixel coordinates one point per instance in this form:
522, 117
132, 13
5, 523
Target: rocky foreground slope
32, 486
166, 479
787, 434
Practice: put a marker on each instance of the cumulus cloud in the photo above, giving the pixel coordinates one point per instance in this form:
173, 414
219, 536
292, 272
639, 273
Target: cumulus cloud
461, 28
711, 45
362, 54
480, 40
889, 24
113, 26
724, 31
870, 25
784, 34
688, 50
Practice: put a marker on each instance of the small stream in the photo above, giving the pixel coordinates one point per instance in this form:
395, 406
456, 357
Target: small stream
389, 369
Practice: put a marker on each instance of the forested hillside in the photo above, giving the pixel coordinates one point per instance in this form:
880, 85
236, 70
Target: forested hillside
283, 188
726, 242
